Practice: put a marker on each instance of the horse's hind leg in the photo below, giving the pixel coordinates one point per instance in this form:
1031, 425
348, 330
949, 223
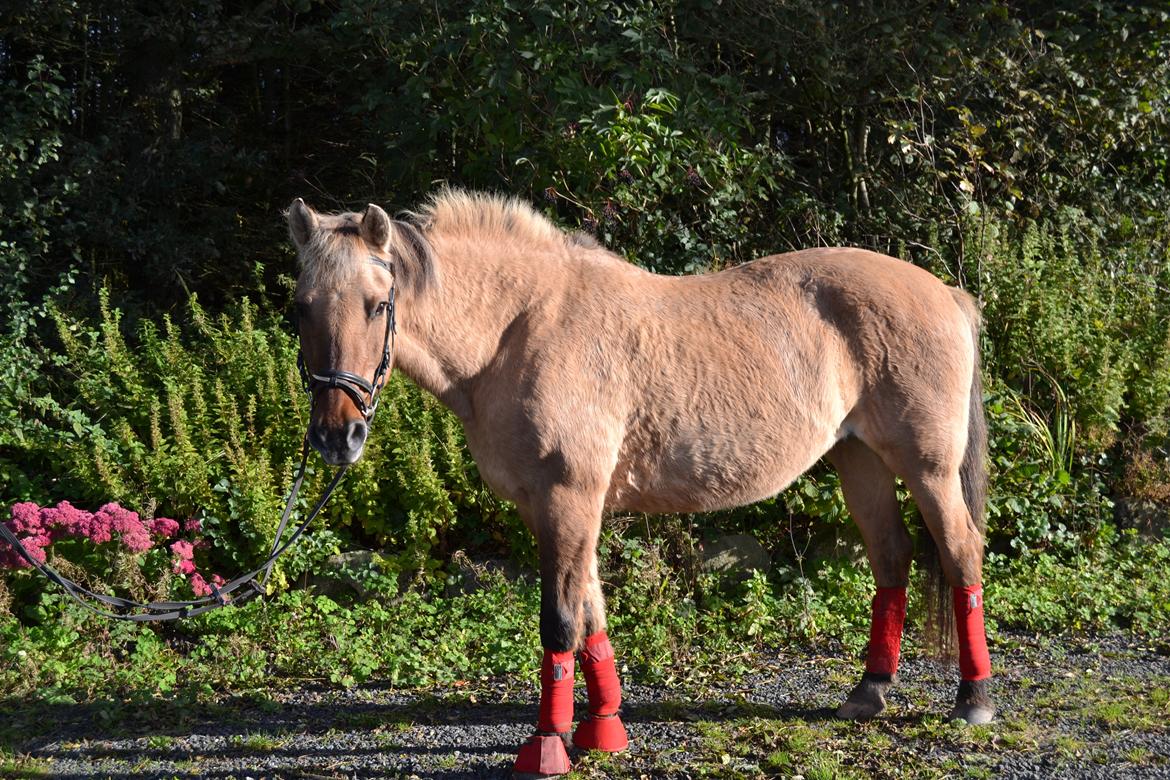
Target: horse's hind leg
572, 618
868, 486
939, 493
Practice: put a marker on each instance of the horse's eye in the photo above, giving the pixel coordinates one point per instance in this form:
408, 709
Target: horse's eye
378, 312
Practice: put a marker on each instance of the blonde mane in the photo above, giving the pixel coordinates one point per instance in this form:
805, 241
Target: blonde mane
460, 214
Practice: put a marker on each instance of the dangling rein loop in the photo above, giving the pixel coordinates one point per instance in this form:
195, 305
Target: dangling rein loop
174, 610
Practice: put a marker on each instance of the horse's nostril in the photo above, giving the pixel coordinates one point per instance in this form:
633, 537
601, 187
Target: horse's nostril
340, 444
316, 438
355, 434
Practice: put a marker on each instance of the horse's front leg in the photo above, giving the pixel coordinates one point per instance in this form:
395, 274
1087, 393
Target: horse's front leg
572, 618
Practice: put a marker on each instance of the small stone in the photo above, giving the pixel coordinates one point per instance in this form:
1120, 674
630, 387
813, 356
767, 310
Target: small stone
737, 554
335, 577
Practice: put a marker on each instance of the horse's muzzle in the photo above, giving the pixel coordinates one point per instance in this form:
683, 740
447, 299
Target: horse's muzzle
341, 445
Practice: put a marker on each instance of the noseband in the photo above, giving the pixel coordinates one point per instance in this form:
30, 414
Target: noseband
363, 394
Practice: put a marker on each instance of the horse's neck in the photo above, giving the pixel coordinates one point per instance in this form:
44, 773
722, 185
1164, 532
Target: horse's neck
447, 338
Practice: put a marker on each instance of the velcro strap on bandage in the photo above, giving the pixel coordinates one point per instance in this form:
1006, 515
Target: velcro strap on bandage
974, 660
556, 692
885, 631
597, 649
601, 679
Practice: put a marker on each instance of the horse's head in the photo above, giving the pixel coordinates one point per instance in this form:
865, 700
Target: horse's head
345, 305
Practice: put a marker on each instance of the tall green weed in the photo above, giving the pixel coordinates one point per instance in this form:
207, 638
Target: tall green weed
1079, 321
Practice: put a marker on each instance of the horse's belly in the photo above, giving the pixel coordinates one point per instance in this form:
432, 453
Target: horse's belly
697, 473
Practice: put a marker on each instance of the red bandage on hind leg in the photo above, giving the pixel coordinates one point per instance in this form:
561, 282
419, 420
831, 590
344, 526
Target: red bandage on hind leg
556, 692
974, 661
885, 631
601, 680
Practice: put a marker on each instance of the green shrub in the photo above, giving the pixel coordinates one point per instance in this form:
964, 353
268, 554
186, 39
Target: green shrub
206, 420
1118, 582
1006, 149
1078, 321
662, 635
653, 176
1045, 495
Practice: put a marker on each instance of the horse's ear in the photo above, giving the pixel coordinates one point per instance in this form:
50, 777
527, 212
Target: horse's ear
376, 227
301, 222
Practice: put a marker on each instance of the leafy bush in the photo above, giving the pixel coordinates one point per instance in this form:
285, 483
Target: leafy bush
1045, 495
1019, 152
1117, 582
651, 174
206, 421
661, 635
1079, 322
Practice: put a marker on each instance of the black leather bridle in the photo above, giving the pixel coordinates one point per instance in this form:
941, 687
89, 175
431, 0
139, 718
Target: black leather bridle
364, 394
250, 584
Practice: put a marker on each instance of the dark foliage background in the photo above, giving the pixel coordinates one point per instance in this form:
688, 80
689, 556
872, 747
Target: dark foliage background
146, 150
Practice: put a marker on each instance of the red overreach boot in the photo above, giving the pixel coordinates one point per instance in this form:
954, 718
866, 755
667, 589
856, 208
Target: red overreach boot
544, 754
603, 729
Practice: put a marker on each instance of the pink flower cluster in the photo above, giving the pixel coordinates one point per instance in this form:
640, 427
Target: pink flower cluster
185, 565
37, 527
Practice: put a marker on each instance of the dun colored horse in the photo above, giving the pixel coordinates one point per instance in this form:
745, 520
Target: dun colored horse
586, 384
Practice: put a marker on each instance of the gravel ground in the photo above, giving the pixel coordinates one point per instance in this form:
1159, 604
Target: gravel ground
1096, 708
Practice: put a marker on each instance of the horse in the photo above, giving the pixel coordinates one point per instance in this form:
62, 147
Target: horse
587, 385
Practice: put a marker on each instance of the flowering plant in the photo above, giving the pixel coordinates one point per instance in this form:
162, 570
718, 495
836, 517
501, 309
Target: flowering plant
38, 528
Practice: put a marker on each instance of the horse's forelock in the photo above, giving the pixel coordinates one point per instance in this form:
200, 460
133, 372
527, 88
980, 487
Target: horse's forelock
336, 251
333, 253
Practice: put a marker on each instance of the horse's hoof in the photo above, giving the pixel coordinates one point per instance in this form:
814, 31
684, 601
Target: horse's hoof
973, 715
544, 755
973, 704
608, 734
868, 699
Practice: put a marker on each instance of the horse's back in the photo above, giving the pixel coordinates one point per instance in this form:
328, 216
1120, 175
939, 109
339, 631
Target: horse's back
701, 392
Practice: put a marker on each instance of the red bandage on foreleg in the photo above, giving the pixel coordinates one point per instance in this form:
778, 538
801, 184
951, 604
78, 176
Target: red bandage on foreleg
601, 679
603, 729
556, 692
974, 661
885, 630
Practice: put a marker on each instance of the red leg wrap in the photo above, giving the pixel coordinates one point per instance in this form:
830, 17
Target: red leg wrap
603, 729
974, 661
544, 754
601, 680
556, 692
885, 630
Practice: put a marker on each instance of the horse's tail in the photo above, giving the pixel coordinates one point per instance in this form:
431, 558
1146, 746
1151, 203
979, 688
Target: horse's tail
940, 623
